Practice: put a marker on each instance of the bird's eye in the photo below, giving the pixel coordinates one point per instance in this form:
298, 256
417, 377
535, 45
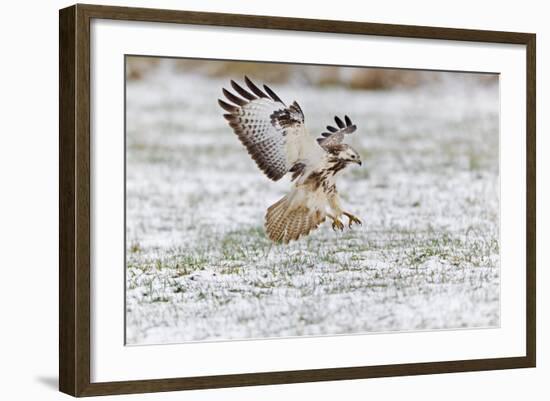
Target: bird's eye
353, 156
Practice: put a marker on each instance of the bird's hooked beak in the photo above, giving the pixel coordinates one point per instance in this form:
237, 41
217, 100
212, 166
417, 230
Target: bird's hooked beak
359, 162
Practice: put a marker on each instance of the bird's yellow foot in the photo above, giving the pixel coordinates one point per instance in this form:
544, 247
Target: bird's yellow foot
352, 219
337, 224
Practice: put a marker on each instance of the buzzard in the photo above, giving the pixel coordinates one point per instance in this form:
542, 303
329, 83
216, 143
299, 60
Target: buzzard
276, 137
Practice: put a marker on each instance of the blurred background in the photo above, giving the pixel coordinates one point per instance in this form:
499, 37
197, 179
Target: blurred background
348, 77
199, 266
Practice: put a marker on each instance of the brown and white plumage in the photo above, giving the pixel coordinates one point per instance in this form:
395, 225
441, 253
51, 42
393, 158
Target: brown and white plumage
277, 140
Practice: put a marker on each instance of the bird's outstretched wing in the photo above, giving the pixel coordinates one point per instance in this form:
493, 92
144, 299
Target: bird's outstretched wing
273, 133
336, 135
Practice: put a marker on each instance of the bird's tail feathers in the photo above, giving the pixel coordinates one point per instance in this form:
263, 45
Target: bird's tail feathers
284, 223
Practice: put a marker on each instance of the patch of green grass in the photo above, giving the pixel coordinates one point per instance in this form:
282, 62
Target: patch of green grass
160, 299
135, 247
244, 244
193, 261
231, 269
474, 162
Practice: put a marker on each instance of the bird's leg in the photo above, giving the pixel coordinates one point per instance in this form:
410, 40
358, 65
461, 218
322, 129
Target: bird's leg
334, 203
336, 223
352, 219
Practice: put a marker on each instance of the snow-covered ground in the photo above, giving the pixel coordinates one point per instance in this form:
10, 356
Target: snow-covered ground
199, 266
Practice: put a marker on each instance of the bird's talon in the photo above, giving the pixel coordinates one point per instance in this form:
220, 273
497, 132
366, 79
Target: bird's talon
352, 219
337, 224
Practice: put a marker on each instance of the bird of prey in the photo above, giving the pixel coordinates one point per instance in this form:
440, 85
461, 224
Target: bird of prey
276, 138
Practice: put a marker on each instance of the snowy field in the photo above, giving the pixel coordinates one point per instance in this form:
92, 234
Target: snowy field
199, 266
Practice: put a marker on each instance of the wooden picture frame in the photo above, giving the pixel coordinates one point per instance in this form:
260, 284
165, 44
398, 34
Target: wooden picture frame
74, 200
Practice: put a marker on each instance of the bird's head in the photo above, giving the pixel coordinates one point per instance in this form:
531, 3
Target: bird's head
347, 154
341, 155
351, 155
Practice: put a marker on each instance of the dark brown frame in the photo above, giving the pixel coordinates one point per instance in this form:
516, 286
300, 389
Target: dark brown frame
74, 200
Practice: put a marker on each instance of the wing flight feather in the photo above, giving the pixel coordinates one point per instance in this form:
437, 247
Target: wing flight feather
273, 133
336, 135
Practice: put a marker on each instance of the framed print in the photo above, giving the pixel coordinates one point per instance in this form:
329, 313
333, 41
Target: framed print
249, 200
